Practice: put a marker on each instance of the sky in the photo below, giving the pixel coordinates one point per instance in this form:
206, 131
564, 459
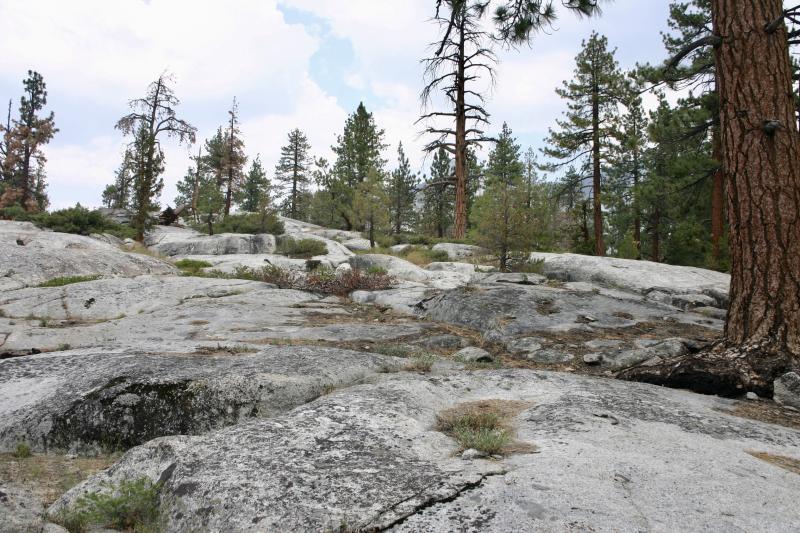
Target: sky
290, 63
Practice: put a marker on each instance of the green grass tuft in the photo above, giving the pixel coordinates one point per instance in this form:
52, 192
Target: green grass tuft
67, 280
22, 451
130, 506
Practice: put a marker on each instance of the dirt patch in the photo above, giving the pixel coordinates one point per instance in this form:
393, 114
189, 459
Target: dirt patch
787, 463
50, 476
765, 411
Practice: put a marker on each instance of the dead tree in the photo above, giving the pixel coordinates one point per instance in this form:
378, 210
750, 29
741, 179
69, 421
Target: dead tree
152, 118
461, 60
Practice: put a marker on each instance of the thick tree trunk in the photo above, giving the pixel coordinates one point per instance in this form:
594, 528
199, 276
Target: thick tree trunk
717, 200
655, 236
637, 214
599, 245
761, 150
460, 219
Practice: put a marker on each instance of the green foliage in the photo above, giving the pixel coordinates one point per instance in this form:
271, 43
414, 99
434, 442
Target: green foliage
22, 450
67, 280
78, 220
255, 191
401, 192
358, 154
370, 205
321, 280
130, 506
375, 270
248, 223
192, 267
421, 363
302, 248
502, 217
293, 174
481, 431
438, 197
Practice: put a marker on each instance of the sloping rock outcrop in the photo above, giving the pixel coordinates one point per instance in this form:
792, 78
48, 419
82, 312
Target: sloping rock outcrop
101, 400
30, 256
677, 285
609, 456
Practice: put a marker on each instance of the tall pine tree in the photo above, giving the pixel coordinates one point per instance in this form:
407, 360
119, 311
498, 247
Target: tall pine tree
585, 132
293, 173
401, 190
358, 152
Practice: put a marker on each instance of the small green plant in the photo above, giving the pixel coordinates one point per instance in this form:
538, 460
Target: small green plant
251, 223
63, 346
225, 348
302, 248
421, 363
129, 506
44, 322
482, 425
192, 267
395, 350
376, 270
491, 441
67, 280
528, 266
22, 451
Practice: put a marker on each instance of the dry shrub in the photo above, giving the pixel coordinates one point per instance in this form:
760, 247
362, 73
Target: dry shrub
484, 425
321, 280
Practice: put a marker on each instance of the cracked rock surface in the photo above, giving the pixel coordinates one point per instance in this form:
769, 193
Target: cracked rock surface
30, 256
611, 456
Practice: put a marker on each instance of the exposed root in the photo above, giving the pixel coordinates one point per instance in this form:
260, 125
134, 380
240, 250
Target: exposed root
720, 369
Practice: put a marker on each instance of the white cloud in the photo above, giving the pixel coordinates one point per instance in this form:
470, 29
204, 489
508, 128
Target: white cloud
111, 49
78, 173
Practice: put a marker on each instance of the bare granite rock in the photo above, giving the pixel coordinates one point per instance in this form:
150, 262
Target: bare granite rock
101, 400
609, 456
676, 285
30, 256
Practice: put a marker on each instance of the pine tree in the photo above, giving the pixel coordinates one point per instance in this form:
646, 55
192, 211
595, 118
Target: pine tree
760, 151
625, 175
256, 187
23, 138
189, 187
293, 174
502, 221
592, 98
370, 205
438, 197
462, 59
692, 68
118, 195
401, 191
358, 152
233, 159
152, 117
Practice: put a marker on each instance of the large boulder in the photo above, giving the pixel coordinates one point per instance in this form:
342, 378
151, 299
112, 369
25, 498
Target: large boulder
337, 253
504, 311
298, 226
357, 245
676, 285
101, 400
787, 390
30, 256
219, 244
458, 251
171, 314
399, 268
609, 456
